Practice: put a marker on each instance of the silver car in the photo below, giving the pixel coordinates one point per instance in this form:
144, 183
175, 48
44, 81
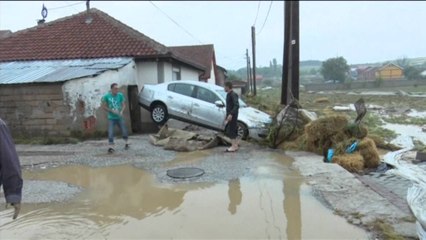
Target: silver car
202, 104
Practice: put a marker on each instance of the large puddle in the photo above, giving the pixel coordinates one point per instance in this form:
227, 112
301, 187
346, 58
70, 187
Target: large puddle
124, 202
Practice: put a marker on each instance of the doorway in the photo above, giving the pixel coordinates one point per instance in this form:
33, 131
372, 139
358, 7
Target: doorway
134, 108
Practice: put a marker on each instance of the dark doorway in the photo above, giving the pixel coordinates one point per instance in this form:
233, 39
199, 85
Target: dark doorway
134, 108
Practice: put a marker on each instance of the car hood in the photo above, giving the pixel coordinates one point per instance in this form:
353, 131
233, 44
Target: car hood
254, 115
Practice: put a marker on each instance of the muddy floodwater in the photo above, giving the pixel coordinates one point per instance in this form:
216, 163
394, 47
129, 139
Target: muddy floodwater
124, 202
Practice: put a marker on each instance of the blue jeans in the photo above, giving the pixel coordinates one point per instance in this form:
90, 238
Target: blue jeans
121, 125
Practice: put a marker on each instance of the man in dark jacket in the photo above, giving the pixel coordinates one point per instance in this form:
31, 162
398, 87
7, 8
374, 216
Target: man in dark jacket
232, 107
10, 170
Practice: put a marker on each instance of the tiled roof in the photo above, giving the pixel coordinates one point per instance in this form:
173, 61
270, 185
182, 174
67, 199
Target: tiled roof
202, 55
5, 33
72, 38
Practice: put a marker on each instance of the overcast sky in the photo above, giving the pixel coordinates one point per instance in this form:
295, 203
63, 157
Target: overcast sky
359, 31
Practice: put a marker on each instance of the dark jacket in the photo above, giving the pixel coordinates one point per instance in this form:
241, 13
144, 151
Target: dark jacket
10, 167
232, 104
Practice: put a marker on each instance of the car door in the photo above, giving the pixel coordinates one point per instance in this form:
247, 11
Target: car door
204, 110
179, 100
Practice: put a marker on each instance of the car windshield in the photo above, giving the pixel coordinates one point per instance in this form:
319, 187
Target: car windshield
223, 94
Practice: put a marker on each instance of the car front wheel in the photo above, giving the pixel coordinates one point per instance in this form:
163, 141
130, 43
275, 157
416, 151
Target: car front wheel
159, 114
242, 131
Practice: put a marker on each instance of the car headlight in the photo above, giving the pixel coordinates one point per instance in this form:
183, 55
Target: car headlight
260, 125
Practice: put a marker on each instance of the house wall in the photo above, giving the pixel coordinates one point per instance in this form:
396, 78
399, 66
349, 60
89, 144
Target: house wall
220, 78
186, 73
212, 78
189, 73
390, 72
35, 109
147, 72
83, 96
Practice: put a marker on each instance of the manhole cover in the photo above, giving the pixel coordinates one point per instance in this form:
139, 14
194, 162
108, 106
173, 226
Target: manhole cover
187, 172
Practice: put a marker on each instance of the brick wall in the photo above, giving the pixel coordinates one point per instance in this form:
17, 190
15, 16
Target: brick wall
35, 109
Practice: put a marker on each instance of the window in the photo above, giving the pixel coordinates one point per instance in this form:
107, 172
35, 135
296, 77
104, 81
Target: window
184, 89
176, 73
171, 87
206, 95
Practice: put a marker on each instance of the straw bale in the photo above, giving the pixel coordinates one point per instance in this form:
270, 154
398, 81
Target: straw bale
351, 162
367, 148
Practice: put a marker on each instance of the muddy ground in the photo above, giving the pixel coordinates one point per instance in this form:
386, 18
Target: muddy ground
339, 190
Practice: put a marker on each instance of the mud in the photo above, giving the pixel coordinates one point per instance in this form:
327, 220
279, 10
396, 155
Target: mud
265, 199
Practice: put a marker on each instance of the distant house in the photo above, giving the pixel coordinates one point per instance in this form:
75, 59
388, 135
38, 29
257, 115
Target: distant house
366, 73
222, 76
390, 71
200, 55
53, 75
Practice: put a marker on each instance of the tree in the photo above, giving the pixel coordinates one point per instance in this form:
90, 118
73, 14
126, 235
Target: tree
412, 73
402, 62
335, 69
275, 65
233, 77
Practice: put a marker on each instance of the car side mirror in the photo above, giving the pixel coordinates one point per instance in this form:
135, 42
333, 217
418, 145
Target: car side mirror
219, 104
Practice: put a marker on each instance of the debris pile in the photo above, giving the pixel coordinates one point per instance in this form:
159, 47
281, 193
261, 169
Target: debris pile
348, 142
186, 141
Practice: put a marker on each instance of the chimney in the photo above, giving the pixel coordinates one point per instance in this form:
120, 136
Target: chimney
5, 33
89, 18
40, 22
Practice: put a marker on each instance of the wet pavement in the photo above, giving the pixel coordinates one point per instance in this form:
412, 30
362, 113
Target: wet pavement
254, 193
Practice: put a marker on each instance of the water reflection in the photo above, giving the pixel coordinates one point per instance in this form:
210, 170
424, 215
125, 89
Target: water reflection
117, 191
291, 205
235, 195
124, 202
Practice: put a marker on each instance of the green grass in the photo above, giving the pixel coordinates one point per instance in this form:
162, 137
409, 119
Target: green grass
405, 120
386, 230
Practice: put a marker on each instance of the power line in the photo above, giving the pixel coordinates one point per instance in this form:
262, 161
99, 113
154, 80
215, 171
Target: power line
258, 7
267, 15
69, 5
176, 22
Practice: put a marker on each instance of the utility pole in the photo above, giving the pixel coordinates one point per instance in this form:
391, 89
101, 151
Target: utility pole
253, 40
290, 75
285, 73
250, 76
295, 46
248, 70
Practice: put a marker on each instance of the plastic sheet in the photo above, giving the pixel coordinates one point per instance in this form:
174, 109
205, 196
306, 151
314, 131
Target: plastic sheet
416, 194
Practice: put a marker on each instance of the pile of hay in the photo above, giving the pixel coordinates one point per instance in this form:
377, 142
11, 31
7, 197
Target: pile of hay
338, 133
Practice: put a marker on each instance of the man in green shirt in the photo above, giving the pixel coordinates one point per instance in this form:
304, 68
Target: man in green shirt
114, 103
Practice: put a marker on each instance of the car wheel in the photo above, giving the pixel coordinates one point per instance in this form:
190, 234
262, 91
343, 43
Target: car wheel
242, 130
159, 114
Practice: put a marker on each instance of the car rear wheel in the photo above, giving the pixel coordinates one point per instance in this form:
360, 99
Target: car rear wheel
242, 131
159, 114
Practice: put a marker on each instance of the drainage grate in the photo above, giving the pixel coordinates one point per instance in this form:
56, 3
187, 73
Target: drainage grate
187, 172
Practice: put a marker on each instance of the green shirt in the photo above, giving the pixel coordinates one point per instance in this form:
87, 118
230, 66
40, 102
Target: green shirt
114, 103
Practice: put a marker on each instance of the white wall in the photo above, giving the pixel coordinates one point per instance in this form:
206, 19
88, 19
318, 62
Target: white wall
212, 78
189, 74
186, 73
147, 73
168, 72
90, 90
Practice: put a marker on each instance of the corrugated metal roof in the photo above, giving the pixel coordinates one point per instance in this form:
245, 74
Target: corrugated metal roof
20, 72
